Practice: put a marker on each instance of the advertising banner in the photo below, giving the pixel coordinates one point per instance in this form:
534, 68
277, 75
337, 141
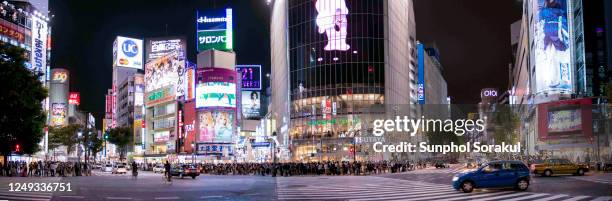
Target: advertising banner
250, 104
552, 48
216, 126
127, 52
58, 114
109, 106
214, 149
14, 33
159, 96
161, 136
564, 119
214, 30
40, 31
189, 124
74, 98
164, 71
190, 83
158, 47
215, 87
250, 76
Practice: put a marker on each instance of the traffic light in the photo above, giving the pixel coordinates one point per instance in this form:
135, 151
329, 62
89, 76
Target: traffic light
105, 136
17, 148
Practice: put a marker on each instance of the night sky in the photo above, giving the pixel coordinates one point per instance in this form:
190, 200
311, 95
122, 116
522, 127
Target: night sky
473, 37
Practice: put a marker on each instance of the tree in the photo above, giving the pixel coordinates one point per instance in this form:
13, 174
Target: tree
122, 137
22, 117
64, 135
506, 123
92, 143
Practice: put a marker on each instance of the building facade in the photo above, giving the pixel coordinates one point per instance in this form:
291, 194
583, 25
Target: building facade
332, 60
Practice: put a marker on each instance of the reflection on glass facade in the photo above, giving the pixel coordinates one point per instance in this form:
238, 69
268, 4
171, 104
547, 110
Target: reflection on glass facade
336, 62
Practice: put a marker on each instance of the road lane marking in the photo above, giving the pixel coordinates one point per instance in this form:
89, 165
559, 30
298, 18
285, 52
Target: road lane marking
577, 198
528, 197
211, 196
503, 196
118, 198
552, 198
603, 198
167, 198
72, 196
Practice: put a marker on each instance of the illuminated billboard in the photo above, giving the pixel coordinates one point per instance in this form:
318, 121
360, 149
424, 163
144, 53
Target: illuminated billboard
215, 87
127, 52
161, 136
250, 104
552, 47
40, 31
164, 71
159, 96
74, 98
59, 75
58, 114
565, 119
216, 126
158, 47
251, 76
216, 94
331, 20
214, 29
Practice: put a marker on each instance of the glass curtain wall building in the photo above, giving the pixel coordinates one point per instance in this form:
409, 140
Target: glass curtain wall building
342, 58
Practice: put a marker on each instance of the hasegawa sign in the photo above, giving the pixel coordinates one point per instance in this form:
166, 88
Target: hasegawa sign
39, 44
127, 52
214, 30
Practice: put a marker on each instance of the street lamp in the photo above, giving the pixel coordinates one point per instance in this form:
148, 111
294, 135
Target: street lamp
193, 152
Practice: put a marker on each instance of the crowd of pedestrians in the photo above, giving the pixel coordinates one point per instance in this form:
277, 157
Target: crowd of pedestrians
45, 169
308, 168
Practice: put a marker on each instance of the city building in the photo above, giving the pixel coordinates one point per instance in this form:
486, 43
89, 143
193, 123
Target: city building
559, 70
591, 55
327, 76
432, 90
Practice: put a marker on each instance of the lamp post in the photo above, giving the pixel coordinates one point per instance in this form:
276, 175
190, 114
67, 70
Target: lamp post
193, 152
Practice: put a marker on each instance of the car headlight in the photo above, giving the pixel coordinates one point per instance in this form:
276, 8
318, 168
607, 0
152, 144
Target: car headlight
455, 178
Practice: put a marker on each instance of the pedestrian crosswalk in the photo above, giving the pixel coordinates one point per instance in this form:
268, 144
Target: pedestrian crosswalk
594, 179
359, 188
432, 170
7, 194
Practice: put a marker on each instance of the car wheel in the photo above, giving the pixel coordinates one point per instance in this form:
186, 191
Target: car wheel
181, 175
193, 177
467, 186
580, 172
547, 173
522, 184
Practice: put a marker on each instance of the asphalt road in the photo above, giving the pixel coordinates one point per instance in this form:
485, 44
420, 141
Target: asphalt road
427, 184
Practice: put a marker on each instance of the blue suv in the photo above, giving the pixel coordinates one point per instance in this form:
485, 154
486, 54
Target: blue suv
495, 174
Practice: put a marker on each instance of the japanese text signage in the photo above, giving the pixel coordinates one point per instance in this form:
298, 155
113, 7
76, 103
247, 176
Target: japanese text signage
214, 30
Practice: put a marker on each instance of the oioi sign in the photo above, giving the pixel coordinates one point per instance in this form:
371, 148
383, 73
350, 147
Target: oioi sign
214, 30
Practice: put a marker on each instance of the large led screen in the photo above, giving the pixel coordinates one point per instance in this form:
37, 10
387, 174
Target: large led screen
564, 120
58, 114
215, 126
251, 76
250, 104
166, 71
216, 94
552, 47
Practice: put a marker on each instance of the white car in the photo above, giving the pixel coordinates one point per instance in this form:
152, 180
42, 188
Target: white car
107, 168
159, 168
119, 169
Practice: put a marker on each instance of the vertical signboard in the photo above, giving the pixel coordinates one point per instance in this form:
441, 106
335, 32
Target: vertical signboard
552, 47
421, 68
214, 29
40, 31
58, 114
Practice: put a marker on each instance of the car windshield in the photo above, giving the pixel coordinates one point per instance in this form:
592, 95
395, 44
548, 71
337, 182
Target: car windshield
121, 166
109, 165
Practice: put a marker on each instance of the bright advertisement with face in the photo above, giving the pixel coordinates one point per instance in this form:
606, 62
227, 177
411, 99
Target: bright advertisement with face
250, 104
215, 126
165, 71
58, 114
552, 47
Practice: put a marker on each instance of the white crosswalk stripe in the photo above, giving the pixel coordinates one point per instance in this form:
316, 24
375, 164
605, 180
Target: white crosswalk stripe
358, 188
451, 170
593, 179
